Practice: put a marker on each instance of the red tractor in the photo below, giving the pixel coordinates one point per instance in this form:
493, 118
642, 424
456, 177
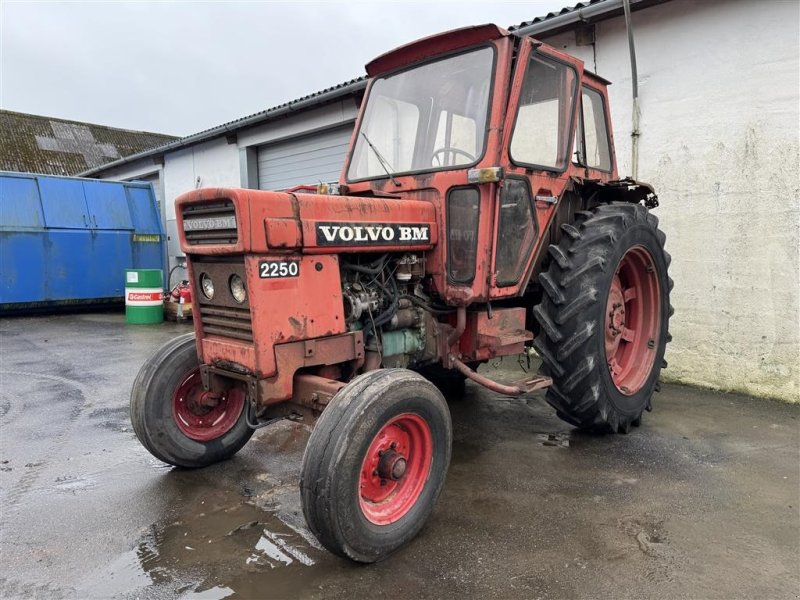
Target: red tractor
479, 214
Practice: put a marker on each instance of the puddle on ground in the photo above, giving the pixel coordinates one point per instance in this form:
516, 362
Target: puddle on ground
217, 550
234, 530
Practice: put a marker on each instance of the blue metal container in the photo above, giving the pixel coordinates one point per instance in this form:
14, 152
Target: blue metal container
67, 241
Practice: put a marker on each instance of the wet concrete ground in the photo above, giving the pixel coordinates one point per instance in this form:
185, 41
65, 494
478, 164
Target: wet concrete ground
701, 501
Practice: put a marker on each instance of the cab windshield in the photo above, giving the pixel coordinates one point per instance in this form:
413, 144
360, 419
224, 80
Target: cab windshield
426, 118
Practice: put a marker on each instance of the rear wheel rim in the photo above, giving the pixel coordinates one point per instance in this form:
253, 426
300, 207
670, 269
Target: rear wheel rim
395, 469
633, 320
198, 416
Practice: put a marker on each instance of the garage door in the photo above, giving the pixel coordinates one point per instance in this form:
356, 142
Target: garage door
303, 160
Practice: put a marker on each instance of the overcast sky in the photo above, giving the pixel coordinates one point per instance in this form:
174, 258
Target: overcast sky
181, 67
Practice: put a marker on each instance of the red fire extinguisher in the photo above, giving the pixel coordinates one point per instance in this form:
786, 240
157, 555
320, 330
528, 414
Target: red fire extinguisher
182, 295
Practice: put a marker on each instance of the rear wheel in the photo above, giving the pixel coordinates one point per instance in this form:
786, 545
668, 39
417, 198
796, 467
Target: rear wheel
375, 464
173, 416
604, 317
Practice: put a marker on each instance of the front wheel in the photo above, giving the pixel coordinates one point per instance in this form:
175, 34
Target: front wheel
176, 420
604, 317
376, 463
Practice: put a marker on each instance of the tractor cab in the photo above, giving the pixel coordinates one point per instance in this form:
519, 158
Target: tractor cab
491, 128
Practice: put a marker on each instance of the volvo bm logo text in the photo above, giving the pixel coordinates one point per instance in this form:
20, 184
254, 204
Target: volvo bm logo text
208, 223
379, 234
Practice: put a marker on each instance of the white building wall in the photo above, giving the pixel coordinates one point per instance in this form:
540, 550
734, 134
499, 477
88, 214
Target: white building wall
719, 94
214, 163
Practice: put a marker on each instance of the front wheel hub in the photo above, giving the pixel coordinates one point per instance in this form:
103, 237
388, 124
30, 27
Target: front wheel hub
392, 465
395, 469
202, 415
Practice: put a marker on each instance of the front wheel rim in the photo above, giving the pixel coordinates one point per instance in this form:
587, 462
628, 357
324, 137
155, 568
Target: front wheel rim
633, 320
200, 417
395, 469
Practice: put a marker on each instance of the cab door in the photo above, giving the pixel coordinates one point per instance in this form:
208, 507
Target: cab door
536, 150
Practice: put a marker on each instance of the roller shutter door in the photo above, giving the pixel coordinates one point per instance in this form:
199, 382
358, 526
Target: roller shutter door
303, 160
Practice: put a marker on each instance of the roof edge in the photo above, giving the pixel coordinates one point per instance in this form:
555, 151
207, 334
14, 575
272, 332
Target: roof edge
582, 13
329, 95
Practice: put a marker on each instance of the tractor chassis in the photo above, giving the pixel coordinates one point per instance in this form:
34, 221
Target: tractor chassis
294, 390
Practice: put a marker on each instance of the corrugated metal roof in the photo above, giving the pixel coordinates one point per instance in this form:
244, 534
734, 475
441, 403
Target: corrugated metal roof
346, 87
590, 11
552, 15
39, 144
353, 86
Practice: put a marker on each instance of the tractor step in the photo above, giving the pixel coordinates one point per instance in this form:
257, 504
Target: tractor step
525, 386
531, 384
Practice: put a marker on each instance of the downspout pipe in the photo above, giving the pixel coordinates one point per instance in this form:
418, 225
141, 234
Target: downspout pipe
636, 115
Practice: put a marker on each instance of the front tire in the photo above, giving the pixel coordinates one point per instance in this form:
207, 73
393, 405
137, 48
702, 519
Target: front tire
170, 417
604, 317
376, 463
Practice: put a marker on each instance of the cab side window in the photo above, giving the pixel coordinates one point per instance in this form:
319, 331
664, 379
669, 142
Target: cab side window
542, 127
592, 147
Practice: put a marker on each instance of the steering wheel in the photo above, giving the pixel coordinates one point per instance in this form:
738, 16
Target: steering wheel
454, 151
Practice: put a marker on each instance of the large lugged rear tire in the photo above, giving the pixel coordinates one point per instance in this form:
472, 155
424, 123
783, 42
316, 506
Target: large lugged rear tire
604, 317
171, 419
376, 463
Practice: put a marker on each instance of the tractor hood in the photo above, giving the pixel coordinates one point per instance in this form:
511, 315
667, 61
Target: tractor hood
232, 221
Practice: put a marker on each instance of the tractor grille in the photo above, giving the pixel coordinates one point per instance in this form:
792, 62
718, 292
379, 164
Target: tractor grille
222, 315
227, 322
211, 223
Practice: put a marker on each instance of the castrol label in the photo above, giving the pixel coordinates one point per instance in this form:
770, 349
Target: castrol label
143, 296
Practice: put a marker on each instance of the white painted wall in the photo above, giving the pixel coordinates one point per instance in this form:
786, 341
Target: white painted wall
720, 100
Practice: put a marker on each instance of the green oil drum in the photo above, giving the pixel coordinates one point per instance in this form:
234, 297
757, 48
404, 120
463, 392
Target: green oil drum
144, 301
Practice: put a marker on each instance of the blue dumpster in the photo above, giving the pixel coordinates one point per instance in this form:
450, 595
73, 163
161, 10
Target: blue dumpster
67, 241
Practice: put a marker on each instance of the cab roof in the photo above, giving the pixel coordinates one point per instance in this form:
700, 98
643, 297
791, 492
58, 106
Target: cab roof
433, 46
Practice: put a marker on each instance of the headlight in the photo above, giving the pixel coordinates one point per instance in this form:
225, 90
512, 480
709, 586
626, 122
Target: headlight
207, 286
238, 291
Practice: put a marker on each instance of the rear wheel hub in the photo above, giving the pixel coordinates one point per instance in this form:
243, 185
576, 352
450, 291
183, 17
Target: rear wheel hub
632, 320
